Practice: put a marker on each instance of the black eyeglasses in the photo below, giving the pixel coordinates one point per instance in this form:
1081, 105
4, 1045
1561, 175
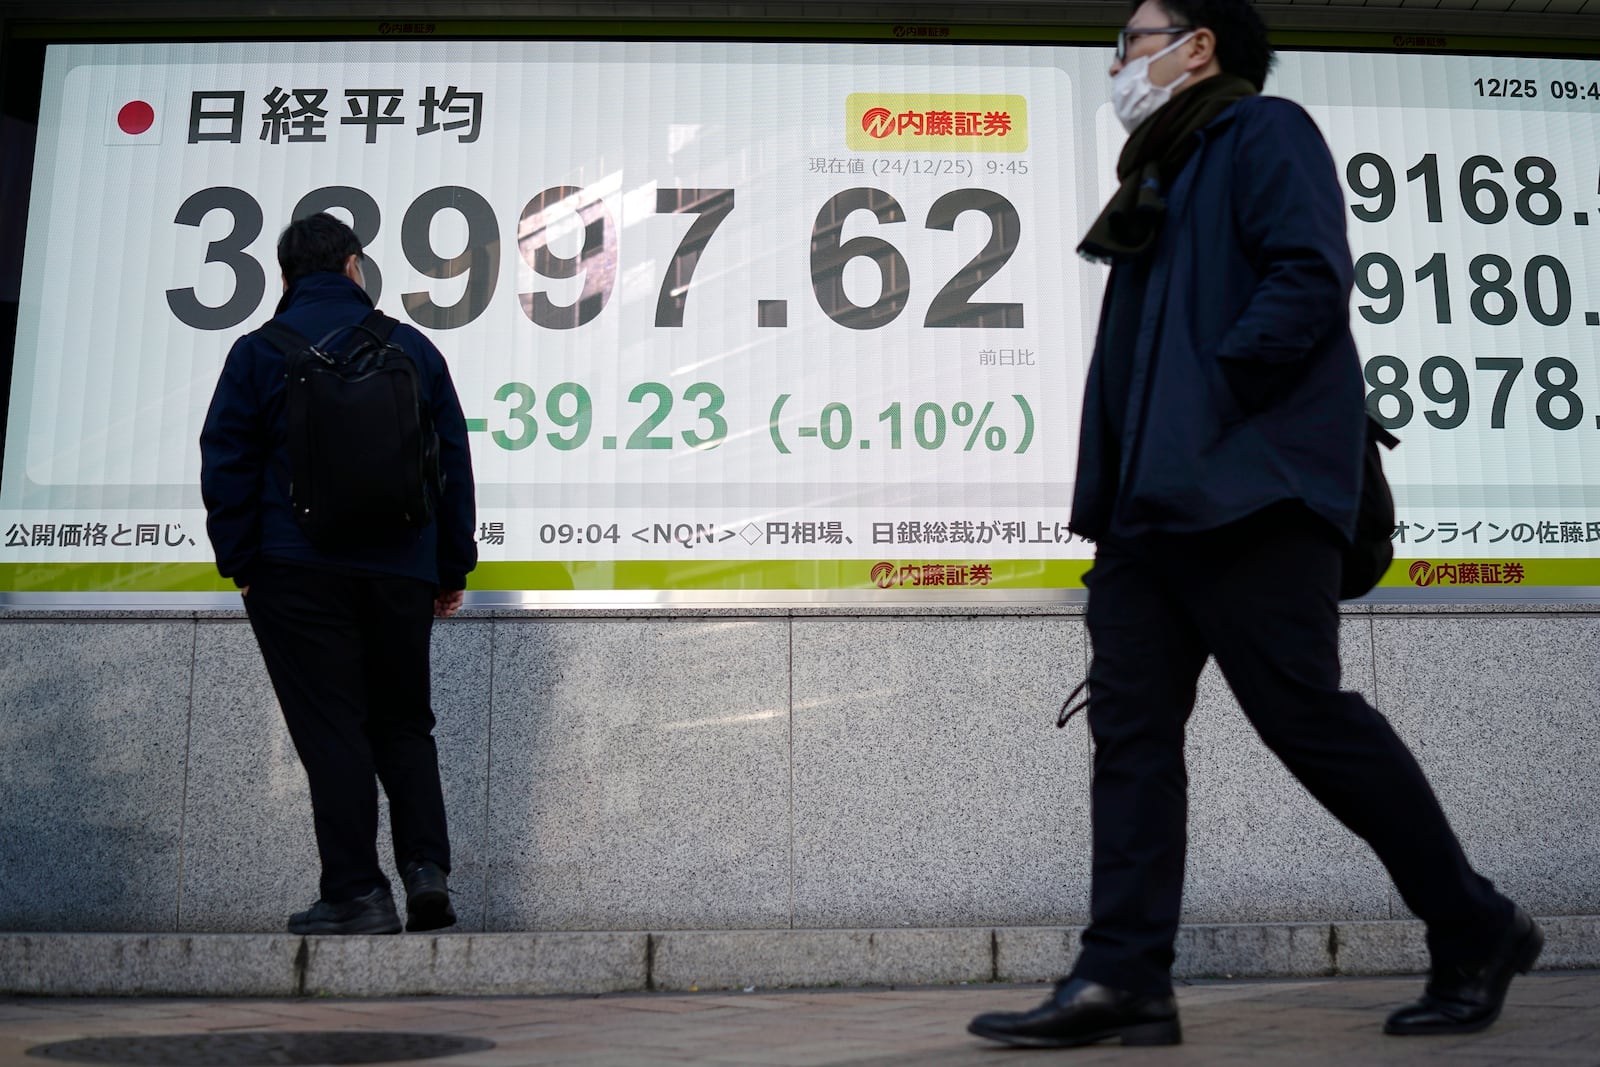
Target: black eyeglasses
1128, 33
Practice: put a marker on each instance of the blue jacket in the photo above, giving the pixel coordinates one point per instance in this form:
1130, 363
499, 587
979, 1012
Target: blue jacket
244, 458
1245, 383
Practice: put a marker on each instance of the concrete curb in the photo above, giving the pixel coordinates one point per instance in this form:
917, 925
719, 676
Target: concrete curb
284, 965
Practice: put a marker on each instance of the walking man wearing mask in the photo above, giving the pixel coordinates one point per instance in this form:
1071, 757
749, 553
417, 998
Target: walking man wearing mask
1223, 426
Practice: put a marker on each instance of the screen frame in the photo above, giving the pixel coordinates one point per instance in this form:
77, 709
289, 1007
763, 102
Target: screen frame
23, 47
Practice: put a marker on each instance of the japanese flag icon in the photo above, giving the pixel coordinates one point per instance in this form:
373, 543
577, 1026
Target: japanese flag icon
133, 118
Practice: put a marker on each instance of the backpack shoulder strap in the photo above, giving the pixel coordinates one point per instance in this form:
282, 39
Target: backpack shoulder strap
376, 326
1376, 432
282, 338
379, 325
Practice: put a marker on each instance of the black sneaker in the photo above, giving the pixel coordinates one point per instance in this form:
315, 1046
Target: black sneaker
370, 914
427, 897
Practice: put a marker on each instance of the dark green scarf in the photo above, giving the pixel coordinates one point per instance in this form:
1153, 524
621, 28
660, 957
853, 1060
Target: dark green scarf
1154, 154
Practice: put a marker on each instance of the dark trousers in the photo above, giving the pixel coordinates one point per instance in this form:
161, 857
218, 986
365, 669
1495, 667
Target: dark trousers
1261, 596
348, 658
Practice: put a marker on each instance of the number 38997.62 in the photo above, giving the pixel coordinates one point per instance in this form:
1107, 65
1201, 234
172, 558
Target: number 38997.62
596, 261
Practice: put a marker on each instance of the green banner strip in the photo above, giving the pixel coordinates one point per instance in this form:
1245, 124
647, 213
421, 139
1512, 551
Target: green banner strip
653, 575
785, 574
888, 576
111, 578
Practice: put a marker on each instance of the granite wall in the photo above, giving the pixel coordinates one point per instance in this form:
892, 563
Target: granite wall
762, 771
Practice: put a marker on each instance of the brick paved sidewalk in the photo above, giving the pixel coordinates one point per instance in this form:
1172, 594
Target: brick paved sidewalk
1551, 1018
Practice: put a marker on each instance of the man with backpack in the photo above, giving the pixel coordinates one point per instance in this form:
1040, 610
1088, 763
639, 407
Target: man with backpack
345, 553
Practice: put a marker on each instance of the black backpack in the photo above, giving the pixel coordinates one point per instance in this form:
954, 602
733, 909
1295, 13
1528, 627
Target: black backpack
363, 453
1372, 550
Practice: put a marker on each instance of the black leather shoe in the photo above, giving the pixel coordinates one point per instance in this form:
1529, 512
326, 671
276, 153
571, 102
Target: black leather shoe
1081, 1012
1465, 999
370, 914
427, 897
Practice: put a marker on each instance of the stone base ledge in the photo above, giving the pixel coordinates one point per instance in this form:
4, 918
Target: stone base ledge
285, 965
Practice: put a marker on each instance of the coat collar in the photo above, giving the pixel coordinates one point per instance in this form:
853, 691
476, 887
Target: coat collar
319, 287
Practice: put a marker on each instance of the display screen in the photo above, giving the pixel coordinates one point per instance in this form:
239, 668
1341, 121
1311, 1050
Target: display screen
767, 321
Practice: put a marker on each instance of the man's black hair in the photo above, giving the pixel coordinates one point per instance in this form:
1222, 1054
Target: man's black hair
315, 243
1242, 45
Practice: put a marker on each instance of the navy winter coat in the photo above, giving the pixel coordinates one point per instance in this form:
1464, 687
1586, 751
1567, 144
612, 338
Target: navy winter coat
1245, 383
244, 458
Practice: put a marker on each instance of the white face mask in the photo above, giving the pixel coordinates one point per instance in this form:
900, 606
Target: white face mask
1134, 96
